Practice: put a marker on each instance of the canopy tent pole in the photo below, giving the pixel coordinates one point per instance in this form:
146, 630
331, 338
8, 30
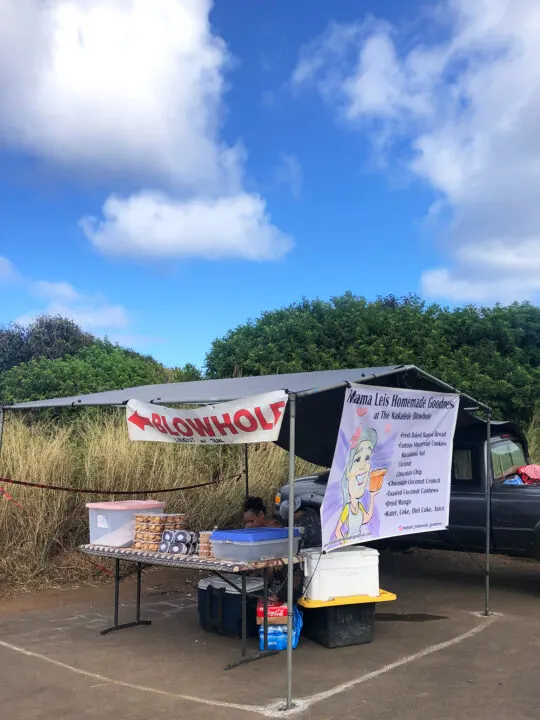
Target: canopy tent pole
246, 468
489, 480
290, 566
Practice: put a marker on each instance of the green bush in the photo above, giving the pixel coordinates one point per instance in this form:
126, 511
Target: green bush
491, 353
101, 366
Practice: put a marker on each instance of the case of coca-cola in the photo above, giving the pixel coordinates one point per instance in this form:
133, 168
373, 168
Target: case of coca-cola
277, 613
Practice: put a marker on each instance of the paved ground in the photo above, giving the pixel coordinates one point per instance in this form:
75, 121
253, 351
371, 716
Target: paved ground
432, 656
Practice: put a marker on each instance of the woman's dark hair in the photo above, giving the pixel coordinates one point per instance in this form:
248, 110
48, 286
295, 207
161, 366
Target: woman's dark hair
255, 505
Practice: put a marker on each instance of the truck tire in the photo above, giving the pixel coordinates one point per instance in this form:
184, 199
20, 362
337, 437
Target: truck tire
536, 543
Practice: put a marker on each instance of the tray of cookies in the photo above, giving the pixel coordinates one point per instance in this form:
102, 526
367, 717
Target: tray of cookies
149, 529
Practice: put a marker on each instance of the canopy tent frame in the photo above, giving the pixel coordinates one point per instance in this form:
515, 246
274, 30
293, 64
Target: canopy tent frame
295, 397
246, 469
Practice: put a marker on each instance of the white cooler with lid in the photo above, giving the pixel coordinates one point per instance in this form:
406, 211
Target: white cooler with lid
349, 571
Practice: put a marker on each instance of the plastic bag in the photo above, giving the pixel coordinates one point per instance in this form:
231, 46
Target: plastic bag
277, 634
515, 480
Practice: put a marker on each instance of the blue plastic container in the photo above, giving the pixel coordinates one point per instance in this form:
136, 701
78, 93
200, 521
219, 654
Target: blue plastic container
253, 544
220, 606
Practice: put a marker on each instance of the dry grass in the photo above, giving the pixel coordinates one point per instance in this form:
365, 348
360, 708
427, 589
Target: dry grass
533, 436
36, 544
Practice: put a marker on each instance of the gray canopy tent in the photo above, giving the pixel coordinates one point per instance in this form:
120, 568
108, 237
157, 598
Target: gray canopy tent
310, 426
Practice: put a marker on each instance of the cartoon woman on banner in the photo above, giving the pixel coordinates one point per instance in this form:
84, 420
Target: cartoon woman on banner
359, 481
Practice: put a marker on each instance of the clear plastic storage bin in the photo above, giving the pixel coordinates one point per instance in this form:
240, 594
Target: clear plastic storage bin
113, 523
253, 544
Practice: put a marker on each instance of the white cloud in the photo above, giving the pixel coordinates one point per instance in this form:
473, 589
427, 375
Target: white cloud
92, 311
101, 84
457, 287
465, 107
289, 173
132, 88
155, 225
91, 316
8, 272
55, 291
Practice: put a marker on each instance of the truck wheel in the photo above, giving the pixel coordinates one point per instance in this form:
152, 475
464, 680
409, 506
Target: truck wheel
311, 522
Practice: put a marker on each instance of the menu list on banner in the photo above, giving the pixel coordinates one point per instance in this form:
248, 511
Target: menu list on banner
392, 465
253, 419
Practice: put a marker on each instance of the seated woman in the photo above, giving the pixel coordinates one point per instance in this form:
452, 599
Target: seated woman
255, 514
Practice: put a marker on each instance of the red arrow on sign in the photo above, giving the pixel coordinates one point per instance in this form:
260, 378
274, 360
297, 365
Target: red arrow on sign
138, 420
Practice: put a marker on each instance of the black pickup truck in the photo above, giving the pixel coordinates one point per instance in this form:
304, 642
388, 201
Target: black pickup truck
515, 509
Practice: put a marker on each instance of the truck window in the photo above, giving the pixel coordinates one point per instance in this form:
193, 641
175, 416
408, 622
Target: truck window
465, 468
507, 456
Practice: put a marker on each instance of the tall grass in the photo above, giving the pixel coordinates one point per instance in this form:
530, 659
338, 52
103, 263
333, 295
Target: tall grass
533, 437
37, 543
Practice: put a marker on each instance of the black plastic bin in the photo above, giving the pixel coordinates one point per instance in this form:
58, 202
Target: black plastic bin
220, 611
340, 625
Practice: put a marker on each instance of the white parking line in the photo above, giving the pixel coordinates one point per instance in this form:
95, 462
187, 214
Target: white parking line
273, 709
131, 686
343, 687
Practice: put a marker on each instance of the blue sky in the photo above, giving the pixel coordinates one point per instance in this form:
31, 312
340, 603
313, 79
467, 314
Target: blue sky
170, 169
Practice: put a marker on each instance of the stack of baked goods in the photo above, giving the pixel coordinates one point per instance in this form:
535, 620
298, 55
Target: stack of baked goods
149, 529
205, 546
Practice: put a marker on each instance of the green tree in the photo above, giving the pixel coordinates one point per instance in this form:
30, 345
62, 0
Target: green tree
50, 337
185, 373
491, 353
101, 366
13, 348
